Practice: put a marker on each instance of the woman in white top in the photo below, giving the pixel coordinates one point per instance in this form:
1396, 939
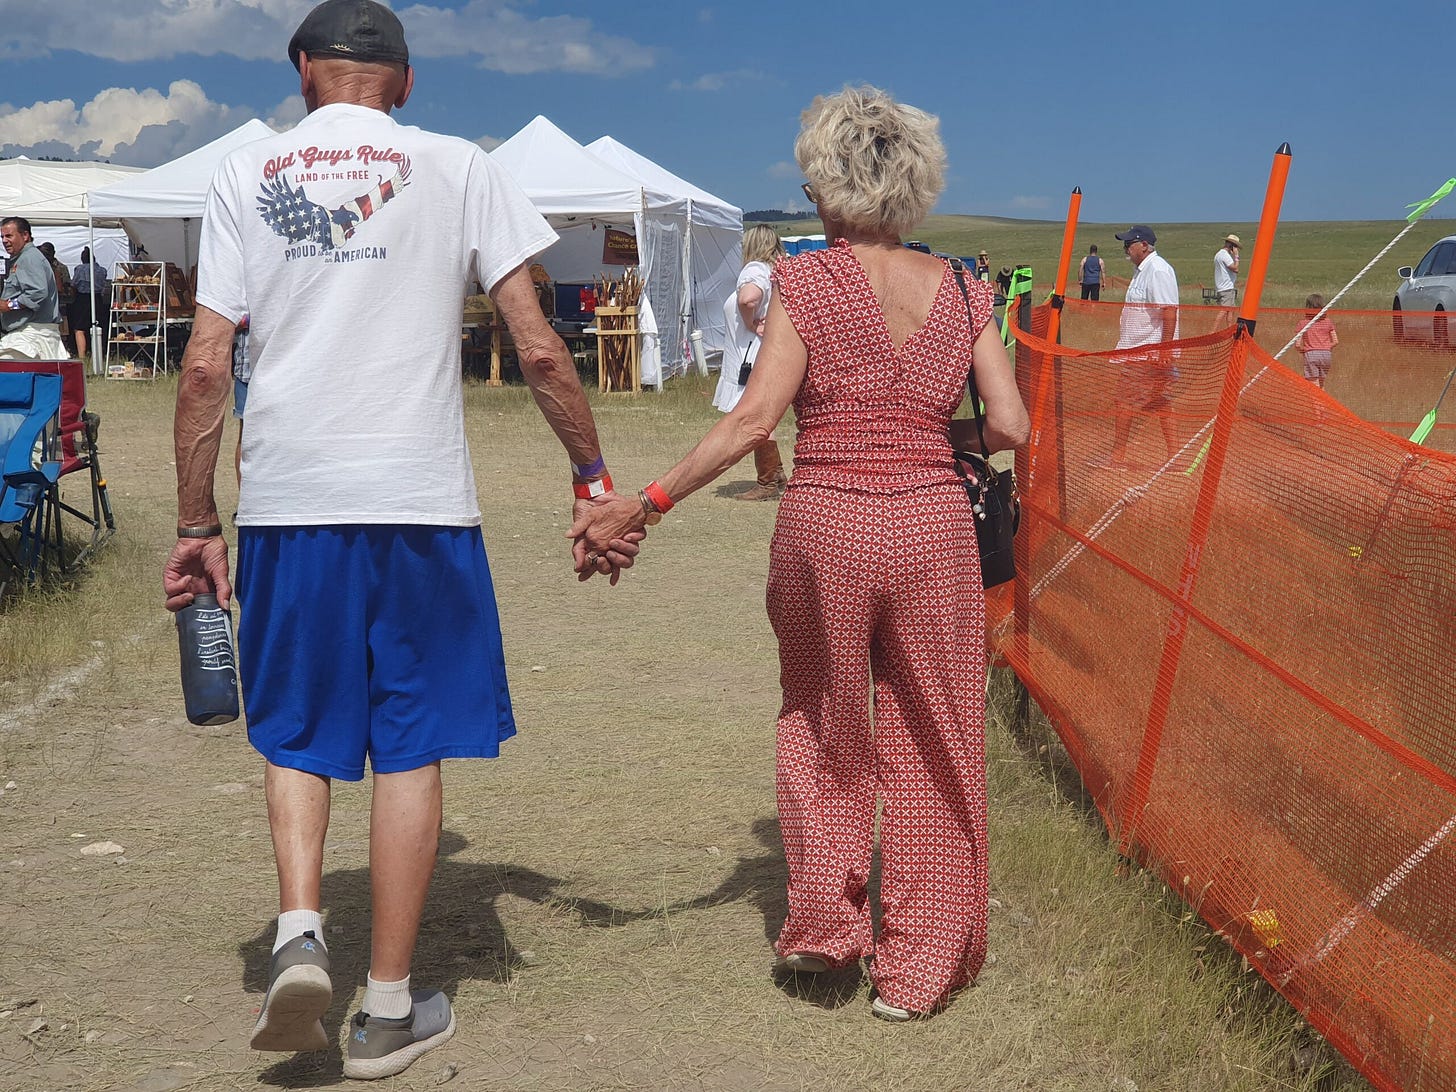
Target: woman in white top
745, 312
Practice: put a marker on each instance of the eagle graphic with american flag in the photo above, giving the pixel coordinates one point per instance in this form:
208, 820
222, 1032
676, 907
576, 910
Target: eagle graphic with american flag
289, 212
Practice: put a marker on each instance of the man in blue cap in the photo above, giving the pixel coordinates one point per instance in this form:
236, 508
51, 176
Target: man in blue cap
1149, 318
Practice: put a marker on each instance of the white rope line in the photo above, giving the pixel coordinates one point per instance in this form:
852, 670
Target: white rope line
1378, 894
1368, 267
1137, 492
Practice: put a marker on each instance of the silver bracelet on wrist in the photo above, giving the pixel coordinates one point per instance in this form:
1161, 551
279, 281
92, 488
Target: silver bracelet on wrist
212, 530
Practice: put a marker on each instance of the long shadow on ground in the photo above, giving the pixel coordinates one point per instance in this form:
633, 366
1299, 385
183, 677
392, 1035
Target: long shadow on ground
762, 880
462, 938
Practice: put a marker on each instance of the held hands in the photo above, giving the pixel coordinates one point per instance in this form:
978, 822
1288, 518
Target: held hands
196, 567
606, 533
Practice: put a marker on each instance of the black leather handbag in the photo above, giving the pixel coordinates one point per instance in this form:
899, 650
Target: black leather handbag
994, 501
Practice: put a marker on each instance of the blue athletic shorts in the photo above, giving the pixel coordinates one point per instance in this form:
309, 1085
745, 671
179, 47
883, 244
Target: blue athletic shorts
369, 640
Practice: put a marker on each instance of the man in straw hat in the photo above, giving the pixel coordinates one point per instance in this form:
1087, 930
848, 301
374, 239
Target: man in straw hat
369, 627
1225, 271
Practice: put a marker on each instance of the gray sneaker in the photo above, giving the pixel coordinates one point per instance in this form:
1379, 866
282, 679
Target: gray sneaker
298, 995
381, 1048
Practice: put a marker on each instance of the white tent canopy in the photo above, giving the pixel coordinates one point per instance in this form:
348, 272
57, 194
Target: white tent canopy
712, 256
108, 245
52, 196
580, 193
53, 193
162, 208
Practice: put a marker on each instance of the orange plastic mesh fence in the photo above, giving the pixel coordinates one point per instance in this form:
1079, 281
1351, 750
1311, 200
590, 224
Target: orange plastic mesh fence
1247, 646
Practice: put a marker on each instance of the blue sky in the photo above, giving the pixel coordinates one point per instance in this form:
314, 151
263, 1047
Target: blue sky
1160, 112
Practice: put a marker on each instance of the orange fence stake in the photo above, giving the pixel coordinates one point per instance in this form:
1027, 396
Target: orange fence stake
1264, 240
1039, 409
1177, 631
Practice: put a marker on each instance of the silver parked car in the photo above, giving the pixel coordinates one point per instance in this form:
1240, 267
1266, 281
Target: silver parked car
1426, 296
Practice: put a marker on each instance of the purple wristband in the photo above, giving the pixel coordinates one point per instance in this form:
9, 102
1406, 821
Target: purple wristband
592, 469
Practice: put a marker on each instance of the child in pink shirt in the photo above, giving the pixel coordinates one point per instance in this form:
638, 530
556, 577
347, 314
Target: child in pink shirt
1316, 341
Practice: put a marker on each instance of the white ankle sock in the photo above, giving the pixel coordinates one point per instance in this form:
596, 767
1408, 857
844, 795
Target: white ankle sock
387, 1000
294, 923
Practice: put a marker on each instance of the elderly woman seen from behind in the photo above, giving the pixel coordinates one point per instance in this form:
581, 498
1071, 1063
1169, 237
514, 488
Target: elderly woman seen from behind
745, 312
873, 571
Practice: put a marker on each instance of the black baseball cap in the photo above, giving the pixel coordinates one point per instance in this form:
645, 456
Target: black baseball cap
360, 30
1138, 233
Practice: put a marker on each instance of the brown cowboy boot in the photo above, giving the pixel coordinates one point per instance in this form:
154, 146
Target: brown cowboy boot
770, 468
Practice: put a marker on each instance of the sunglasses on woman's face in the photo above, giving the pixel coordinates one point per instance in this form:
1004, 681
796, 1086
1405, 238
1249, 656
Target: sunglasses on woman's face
809, 192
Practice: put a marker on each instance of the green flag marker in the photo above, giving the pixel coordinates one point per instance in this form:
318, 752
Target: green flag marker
1428, 422
1421, 207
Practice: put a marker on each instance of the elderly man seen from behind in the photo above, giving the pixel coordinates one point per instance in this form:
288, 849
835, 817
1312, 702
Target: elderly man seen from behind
369, 628
30, 315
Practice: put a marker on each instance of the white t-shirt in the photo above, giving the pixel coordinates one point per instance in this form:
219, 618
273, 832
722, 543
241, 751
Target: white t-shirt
1153, 286
1223, 270
349, 241
741, 340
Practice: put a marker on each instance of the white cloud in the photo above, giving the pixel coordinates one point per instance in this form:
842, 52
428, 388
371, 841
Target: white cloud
124, 124
1025, 203
784, 168
718, 81
288, 113
489, 143
494, 32
139, 128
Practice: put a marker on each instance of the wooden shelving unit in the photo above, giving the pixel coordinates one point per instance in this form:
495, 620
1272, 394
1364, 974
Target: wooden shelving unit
138, 302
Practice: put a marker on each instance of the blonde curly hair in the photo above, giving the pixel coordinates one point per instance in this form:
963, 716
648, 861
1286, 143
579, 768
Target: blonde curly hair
874, 164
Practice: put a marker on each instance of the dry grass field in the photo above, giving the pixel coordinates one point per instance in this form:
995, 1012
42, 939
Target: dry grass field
606, 891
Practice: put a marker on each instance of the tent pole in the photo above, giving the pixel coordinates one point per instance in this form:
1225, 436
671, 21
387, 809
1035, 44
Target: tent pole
687, 289
91, 249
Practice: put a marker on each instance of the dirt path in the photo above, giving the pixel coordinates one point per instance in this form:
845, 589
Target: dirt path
606, 889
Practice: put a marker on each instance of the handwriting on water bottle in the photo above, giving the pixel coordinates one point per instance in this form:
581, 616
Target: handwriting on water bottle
214, 640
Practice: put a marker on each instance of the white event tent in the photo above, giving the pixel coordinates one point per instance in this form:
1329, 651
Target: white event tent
580, 193
713, 244
161, 209
53, 197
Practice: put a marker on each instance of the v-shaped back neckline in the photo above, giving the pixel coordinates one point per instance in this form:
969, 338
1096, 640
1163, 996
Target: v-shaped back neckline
869, 288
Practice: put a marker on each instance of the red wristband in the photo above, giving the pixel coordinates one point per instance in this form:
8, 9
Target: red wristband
590, 490
658, 496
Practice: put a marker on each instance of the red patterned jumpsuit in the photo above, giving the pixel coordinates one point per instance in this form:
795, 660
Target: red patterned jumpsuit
873, 573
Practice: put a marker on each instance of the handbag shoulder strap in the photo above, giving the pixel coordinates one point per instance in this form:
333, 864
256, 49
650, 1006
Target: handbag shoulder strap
959, 270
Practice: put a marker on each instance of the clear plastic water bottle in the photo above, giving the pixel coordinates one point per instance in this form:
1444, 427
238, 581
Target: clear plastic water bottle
209, 662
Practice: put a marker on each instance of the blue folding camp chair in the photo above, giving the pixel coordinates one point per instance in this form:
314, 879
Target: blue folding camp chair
86, 517
30, 466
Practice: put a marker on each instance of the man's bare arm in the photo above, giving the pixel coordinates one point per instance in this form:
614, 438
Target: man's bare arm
201, 406
547, 367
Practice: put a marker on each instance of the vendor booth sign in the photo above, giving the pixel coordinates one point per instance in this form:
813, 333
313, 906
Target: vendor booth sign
619, 247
